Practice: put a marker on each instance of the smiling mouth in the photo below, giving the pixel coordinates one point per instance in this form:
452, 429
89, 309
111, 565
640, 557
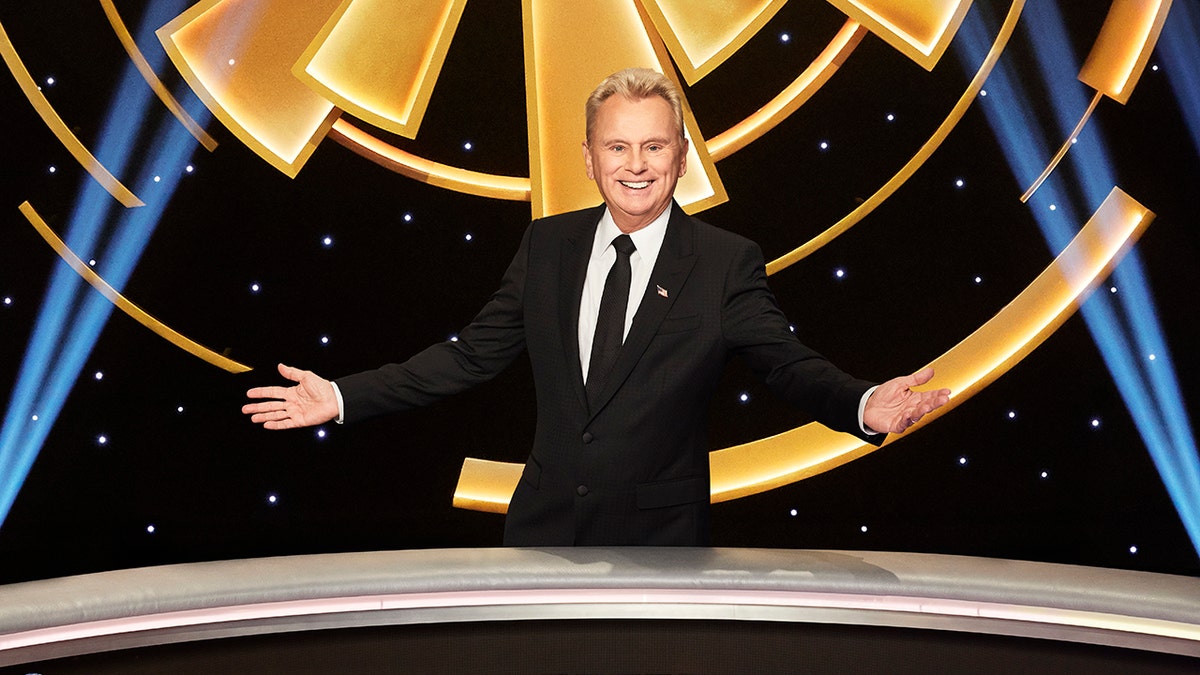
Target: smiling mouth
636, 185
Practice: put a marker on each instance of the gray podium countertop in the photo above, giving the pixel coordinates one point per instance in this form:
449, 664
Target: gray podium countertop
176, 603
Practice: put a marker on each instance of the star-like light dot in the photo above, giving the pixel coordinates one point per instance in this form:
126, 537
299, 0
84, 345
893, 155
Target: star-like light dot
1045, 474
979, 280
232, 61
1112, 289
150, 529
785, 37
158, 179
839, 273
92, 262
99, 375
1133, 550
794, 513
190, 168
962, 461
469, 236
983, 92
7, 300
959, 183
1152, 357
254, 287
50, 81
327, 241
408, 217
35, 418
1095, 422
468, 146
272, 498
1012, 414
102, 439
824, 145
1054, 207
744, 397
179, 410
324, 339
863, 529
53, 169
321, 432
891, 117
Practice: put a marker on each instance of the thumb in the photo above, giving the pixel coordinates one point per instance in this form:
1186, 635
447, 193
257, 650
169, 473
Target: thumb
922, 376
293, 374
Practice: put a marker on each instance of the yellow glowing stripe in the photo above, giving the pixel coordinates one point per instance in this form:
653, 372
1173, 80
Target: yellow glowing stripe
790, 99
927, 150
702, 40
925, 47
60, 129
135, 312
1062, 152
1123, 46
471, 182
143, 66
968, 367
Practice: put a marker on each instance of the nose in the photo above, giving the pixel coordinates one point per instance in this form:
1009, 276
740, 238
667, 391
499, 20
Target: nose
635, 160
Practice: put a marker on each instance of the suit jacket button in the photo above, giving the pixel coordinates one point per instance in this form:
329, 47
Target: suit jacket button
587, 437
582, 490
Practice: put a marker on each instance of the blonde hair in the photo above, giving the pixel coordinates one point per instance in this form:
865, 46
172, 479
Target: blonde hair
634, 84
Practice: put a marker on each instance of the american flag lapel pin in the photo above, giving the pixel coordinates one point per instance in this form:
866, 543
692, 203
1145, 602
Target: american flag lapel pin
661, 291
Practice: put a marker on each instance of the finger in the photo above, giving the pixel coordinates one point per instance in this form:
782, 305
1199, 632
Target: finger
278, 393
264, 407
270, 416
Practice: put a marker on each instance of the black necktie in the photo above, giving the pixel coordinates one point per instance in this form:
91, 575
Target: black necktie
610, 322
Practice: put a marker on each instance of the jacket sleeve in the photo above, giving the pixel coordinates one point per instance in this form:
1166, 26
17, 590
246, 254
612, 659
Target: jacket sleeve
484, 348
758, 333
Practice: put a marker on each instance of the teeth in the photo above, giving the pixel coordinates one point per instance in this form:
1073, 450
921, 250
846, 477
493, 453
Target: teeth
637, 186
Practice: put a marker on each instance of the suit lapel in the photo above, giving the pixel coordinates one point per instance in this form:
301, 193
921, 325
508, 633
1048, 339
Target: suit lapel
573, 261
675, 261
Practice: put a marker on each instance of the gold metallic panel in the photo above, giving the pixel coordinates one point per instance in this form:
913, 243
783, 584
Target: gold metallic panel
792, 97
569, 48
134, 312
919, 30
238, 55
968, 367
923, 154
379, 59
59, 128
702, 37
1115, 63
156, 85
513, 188
1126, 40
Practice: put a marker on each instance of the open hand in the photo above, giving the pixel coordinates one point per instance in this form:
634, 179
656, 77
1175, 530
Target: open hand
894, 406
311, 401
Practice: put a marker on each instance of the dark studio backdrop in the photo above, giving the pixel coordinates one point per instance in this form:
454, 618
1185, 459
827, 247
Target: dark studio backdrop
203, 483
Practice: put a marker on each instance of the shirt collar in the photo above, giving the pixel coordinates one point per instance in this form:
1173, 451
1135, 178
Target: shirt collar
648, 239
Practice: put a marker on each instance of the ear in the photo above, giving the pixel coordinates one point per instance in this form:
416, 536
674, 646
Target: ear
683, 159
587, 161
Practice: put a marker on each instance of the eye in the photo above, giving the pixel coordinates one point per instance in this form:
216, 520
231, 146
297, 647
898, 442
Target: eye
654, 147
617, 147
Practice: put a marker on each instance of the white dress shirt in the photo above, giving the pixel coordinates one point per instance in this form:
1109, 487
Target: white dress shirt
648, 241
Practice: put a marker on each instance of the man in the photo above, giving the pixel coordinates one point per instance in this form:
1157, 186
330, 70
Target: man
628, 336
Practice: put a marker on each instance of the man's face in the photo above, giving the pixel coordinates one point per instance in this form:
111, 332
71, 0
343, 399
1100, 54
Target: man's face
636, 157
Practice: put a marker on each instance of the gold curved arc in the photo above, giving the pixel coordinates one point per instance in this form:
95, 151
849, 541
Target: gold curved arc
59, 128
919, 30
156, 85
968, 367
919, 159
1123, 47
792, 97
1062, 152
513, 188
122, 303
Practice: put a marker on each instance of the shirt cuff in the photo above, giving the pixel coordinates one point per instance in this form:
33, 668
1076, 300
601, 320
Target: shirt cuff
862, 408
337, 393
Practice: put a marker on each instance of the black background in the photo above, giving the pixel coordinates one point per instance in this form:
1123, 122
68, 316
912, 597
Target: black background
388, 287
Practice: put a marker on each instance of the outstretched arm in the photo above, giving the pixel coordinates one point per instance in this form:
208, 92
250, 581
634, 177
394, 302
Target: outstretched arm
894, 406
311, 401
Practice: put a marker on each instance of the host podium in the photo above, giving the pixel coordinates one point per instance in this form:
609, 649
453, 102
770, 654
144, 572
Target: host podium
604, 610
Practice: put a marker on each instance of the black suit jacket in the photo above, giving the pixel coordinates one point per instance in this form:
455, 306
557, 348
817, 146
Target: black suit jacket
633, 469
